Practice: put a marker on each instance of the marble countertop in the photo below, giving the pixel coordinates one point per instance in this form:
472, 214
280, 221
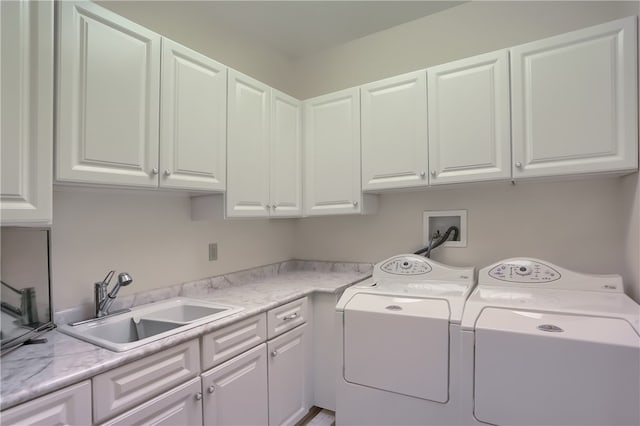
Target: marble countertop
34, 370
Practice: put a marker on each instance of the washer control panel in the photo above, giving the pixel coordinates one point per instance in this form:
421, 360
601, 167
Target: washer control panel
524, 271
403, 265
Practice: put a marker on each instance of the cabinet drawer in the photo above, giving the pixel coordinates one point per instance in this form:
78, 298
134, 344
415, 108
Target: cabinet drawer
180, 406
286, 317
230, 341
130, 385
69, 406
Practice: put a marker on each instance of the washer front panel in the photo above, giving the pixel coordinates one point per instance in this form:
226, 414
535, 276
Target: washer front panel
524, 271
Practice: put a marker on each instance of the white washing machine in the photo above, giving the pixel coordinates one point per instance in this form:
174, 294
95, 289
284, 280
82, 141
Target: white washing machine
543, 345
399, 344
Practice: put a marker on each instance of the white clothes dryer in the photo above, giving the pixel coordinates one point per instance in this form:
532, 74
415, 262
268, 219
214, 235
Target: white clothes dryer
543, 345
399, 344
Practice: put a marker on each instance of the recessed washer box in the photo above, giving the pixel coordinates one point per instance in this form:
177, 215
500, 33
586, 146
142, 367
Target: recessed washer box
435, 222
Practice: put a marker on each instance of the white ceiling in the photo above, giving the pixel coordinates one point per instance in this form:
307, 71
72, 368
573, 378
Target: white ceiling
300, 28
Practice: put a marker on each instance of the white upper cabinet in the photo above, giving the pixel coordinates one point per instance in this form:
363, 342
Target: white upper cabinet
332, 154
193, 120
26, 121
394, 133
469, 122
286, 155
108, 106
574, 102
248, 147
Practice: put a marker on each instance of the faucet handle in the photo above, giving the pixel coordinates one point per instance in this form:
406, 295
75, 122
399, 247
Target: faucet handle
107, 278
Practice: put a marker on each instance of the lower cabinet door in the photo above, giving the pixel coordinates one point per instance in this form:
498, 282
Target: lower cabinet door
288, 400
69, 406
179, 406
235, 392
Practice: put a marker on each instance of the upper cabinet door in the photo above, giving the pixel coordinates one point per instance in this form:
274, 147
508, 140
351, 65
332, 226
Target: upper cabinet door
247, 147
332, 153
108, 110
26, 121
286, 154
394, 132
575, 102
193, 135
469, 123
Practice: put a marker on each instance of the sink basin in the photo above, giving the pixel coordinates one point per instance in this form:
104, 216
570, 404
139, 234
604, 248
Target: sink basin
147, 323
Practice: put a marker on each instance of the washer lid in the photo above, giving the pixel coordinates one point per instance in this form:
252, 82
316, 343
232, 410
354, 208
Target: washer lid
610, 331
581, 303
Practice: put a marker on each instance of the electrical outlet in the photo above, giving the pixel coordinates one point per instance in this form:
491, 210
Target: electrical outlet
213, 251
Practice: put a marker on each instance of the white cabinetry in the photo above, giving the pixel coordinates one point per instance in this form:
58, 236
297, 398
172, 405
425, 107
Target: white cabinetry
127, 387
263, 150
469, 122
332, 155
247, 147
193, 133
108, 98
235, 393
394, 133
286, 155
26, 121
574, 102
288, 396
179, 406
69, 406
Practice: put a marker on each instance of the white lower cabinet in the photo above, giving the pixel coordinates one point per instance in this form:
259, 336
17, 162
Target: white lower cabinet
180, 406
235, 392
249, 382
69, 406
127, 387
288, 397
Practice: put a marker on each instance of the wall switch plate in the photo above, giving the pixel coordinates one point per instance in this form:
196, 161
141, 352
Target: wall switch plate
436, 223
213, 251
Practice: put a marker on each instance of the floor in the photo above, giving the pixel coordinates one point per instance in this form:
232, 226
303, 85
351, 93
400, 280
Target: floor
318, 417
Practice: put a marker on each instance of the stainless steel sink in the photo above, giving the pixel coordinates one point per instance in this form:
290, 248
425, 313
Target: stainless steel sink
148, 323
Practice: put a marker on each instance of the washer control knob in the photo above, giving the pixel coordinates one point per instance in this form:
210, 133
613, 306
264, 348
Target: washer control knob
523, 270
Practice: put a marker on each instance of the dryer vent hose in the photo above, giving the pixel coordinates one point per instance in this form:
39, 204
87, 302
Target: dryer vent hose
439, 241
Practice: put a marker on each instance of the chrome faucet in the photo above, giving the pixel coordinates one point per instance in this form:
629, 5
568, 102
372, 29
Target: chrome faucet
103, 299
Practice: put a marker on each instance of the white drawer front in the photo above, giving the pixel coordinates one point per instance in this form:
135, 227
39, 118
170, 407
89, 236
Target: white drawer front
69, 406
286, 317
130, 385
230, 341
180, 406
